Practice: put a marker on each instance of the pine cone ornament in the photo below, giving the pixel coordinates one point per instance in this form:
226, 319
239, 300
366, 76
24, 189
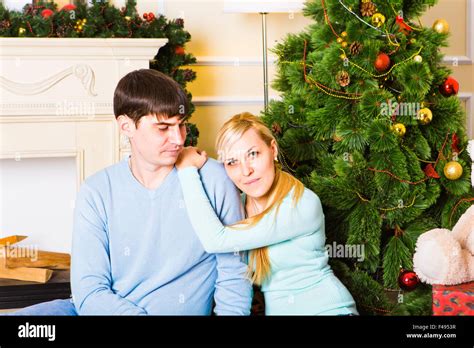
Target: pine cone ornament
355, 48
343, 78
5, 24
276, 128
61, 31
189, 75
367, 8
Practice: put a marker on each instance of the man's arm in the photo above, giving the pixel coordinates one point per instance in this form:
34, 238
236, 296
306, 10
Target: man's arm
90, 270
233, 294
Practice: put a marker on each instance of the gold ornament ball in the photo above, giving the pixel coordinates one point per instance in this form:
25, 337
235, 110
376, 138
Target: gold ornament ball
425, 116
128, 18
343, 56
339, 39
452, 170
418, 58
441, 26
344, 34
21, 31
399, 129
378, 19
344, 44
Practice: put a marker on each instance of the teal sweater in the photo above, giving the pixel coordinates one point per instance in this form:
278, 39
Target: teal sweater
301, 281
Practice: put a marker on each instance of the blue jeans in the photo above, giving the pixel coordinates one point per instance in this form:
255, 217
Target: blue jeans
56, 307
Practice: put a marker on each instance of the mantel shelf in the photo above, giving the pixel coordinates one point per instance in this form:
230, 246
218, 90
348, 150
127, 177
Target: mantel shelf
84, 48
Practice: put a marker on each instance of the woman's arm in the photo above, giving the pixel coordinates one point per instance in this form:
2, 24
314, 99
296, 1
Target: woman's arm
306, 217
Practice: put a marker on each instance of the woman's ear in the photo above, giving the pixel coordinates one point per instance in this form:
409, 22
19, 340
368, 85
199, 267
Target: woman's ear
126, 125
274, 148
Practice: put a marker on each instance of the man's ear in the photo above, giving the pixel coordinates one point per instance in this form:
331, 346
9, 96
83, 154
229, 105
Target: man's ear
126, 125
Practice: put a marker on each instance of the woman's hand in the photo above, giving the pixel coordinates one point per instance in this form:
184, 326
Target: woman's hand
191, 157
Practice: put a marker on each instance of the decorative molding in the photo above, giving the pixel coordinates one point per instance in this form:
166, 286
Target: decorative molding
469, 99
64, 109
469, 57
232, 61
230, 100
48, 118
124, 49
77, 153
82, 71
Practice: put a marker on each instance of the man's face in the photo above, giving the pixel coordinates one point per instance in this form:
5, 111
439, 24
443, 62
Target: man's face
158, 140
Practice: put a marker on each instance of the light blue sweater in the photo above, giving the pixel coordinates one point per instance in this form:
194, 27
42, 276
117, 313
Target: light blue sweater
301, 281
135, 251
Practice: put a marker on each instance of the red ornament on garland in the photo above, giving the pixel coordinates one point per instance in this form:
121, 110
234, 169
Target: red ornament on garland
408, 280
402, 24
149, 17
179, 50
455, 143
69, 7
449, 87
382, 62
431, 172
46, 13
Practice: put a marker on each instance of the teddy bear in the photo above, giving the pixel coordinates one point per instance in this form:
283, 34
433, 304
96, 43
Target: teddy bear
447, 257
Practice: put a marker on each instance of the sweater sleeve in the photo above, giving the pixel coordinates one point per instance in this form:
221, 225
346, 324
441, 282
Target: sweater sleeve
291, 222
233, 290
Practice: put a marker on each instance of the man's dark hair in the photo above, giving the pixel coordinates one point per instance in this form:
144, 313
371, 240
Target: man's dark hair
146, 91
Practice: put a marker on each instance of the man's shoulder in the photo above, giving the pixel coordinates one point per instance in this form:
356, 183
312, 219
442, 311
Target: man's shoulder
213, 171
104, 177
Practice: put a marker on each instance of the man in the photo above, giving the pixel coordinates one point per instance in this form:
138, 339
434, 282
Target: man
134, 249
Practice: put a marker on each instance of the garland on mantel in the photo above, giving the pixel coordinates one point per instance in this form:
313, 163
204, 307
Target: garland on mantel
100, 19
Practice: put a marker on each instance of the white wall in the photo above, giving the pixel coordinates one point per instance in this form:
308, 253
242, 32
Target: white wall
37, 200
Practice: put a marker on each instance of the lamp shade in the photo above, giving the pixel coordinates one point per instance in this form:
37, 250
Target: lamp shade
262, 6
15, 5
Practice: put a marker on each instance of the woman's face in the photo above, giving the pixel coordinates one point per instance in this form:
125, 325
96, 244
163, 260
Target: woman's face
249, 163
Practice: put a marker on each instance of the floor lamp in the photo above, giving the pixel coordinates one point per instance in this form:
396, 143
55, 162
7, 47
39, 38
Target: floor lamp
263, 7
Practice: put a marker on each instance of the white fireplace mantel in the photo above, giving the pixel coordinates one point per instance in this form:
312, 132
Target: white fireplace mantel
36, 74
56, 96
57, 126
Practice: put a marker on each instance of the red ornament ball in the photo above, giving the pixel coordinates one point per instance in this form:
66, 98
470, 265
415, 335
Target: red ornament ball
149, 17
46, 13
69, 7
179, 50
408, 280
449, 87
382, 62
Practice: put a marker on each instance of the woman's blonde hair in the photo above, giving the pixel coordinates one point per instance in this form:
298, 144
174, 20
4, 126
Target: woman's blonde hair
232, 131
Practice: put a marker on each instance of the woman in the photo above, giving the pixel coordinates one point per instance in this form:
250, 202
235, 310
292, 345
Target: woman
283, 226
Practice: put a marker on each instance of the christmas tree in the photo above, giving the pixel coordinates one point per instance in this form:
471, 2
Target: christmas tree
100, 19
370, 121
